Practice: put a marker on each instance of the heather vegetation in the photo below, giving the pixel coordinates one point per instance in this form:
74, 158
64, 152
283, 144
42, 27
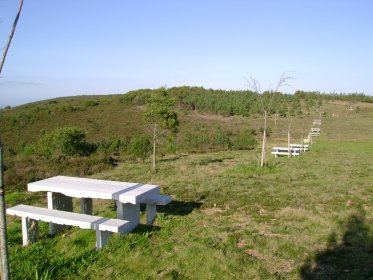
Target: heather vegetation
308, 217
85, 134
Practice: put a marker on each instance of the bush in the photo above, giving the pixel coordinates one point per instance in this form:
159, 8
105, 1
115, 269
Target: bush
67, 141
91, 103
244, 141
113, 145
196, 139
25, 149
140, 147
222, 139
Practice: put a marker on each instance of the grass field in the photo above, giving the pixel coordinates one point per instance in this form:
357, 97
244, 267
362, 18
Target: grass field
308, 217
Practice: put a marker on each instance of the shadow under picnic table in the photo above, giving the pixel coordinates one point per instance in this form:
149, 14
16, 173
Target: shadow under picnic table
180, 208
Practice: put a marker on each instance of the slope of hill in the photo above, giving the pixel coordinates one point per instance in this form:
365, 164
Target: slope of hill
308, 217
210, 120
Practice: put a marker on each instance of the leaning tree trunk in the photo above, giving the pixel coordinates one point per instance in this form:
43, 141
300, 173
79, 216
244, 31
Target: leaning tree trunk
10, 36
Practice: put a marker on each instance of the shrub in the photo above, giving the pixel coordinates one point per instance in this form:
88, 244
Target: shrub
91, 103
70, 108
25, 149
222, 139
67, 141
140, 147
113, 145
244, 141
196, 139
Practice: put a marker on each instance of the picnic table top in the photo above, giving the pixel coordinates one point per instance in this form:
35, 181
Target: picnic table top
93, 188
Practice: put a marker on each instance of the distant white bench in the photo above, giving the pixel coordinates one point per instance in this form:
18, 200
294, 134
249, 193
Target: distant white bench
316, 122
284, 151
315, 129
302, 148
314, 134
151, 205
31, 215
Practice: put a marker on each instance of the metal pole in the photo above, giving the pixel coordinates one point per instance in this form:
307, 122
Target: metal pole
3, 234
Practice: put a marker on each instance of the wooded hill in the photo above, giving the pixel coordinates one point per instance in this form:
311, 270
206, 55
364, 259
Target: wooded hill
109, 127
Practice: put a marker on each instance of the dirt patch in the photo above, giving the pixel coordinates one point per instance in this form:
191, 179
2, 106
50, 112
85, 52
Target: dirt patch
211, 211
255, 254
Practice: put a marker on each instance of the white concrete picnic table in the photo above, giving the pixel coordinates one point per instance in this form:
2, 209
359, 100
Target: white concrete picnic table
128, 196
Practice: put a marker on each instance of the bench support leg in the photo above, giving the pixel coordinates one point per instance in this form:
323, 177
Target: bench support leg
129, 212
151, 212
30, 231
102, 237
60, 202
86, 206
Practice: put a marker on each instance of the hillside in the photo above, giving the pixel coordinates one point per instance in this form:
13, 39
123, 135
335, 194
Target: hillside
308, 217
210, 120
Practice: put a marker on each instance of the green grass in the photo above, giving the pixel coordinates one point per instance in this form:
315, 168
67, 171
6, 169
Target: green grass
309, 217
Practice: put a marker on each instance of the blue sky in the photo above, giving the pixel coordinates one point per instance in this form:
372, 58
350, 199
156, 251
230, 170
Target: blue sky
70, 47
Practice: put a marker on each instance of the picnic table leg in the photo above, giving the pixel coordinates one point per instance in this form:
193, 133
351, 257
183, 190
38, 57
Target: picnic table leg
86, 206
151, 213
60, 202
102, 237
129, 212
30, 231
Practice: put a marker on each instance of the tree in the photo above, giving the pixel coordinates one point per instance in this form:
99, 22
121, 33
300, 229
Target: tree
160, 114
266, 106
4, 258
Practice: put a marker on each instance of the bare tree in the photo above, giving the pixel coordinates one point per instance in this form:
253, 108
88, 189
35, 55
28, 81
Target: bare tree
5, 271
266, 108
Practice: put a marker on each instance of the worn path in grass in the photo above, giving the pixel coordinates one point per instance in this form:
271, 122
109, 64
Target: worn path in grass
309, 217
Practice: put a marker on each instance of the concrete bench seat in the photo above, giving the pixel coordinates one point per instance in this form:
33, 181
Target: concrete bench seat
151, 205
31, 215
315, 129
285, 153
313, 134
303, 148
